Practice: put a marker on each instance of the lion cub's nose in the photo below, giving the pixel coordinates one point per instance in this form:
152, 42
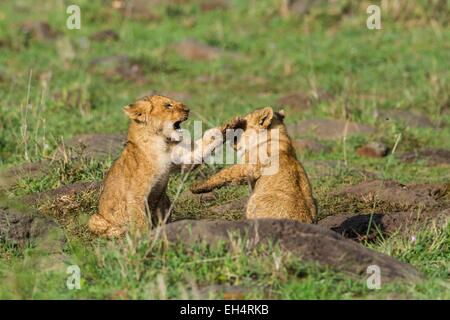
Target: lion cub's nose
184, 108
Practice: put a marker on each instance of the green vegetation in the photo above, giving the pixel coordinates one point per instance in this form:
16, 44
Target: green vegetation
56, 86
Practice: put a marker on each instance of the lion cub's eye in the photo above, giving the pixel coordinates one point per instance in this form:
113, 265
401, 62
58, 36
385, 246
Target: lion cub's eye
168, 106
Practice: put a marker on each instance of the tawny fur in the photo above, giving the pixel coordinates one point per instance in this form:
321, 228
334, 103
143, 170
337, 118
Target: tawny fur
287, 193
133, 195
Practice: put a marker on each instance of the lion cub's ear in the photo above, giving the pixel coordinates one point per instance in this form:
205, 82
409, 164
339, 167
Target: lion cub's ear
265, 117
135, 112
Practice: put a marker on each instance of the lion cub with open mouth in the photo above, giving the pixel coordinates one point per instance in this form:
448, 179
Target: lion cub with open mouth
136, 184
280, 186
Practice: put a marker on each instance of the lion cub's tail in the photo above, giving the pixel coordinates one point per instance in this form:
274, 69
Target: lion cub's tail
100, 226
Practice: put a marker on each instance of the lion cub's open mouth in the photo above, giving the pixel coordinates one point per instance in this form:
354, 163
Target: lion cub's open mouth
177, 125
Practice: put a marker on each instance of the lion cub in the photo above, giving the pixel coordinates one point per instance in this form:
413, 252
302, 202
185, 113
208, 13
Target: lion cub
136, 184
139, 176
283, 192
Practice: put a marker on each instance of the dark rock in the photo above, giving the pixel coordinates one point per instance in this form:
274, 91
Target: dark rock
19, 228
312, 243
373, 150
370, 227
328, 128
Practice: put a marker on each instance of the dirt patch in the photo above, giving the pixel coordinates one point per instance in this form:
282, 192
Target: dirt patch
39, 30
105, 35
176, 95
11, 176
328, 129
370, 227
433, 157
395, 195
140, 10
409, 118
302, 101
212, 5
99, 146
222, 291
121, 67
237, 206
297, 7
320, 168
309, 145
310, 242
198, 198
65, 196
191, 49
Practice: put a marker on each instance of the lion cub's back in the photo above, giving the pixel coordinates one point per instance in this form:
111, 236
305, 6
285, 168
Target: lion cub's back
286, 194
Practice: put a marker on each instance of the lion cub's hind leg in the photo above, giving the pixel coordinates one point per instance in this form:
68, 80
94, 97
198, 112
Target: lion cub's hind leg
101, 226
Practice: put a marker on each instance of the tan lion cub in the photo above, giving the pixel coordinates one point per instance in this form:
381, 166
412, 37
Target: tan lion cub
137, 181
283, 193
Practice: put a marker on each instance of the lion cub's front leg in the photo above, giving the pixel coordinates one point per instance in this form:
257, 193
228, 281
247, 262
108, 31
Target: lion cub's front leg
236, 174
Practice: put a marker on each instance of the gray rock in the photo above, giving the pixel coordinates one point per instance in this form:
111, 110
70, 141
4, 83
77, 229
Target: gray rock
312, 243
369, 227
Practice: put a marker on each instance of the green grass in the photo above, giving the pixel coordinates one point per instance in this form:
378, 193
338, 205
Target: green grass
50, 91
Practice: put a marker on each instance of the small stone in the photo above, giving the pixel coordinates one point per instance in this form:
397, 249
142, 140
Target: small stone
373, 150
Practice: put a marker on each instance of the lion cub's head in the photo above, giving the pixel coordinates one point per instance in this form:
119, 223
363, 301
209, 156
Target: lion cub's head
158, 115
255, 127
